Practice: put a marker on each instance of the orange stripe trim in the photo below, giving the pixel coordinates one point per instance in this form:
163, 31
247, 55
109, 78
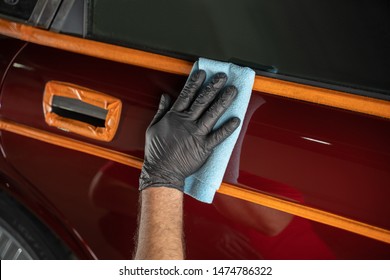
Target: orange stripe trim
297, 91
227, 189
307, 212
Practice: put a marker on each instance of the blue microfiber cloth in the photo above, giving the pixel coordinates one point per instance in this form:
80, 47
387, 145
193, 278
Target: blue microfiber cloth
205, 182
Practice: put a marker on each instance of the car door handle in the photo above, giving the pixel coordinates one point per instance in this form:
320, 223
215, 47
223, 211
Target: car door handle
81, 110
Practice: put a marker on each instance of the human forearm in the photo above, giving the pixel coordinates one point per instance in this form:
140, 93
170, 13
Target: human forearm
160, 234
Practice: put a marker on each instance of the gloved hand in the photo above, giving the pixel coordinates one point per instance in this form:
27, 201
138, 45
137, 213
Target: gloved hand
179, 140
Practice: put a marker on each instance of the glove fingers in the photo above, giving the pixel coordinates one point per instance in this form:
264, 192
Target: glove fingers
207, 95
187, 94
222, 133
212, 115
163, 107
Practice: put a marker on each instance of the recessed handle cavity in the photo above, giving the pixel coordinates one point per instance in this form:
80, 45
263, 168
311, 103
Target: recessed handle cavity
80, 110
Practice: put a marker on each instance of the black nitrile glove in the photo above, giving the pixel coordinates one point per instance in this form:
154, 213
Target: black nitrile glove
179, 141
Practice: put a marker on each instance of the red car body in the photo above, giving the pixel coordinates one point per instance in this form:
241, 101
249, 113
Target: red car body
330, 159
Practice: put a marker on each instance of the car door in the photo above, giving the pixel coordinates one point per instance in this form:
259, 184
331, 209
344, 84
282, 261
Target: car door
291, 153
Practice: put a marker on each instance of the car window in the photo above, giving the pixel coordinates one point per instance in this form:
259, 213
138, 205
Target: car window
335, 42
33, 12
17, 9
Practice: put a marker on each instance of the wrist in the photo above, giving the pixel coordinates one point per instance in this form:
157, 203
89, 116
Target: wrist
150, 178
162, 193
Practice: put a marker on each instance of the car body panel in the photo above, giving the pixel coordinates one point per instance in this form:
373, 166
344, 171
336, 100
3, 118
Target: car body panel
319, 156
9, 48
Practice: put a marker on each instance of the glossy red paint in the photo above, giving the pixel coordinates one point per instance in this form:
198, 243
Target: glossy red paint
9, 48
327, 158
12, 182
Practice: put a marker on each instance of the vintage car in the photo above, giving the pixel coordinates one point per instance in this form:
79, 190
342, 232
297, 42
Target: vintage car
309, 177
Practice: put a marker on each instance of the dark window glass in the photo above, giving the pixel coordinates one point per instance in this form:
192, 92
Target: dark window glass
343, 43
19, 9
